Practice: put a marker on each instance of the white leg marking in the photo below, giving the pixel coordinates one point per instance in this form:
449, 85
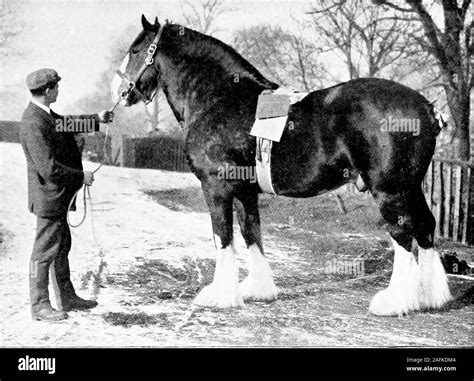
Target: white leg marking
402, 293
223, 292
434, 290
117, 81
259, 283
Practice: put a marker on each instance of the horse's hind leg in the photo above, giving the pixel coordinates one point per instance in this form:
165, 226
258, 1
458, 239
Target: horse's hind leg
223, 292
402, 293
434, 289
259, 283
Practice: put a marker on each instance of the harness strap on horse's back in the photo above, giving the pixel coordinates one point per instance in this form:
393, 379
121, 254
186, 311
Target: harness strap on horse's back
271, 118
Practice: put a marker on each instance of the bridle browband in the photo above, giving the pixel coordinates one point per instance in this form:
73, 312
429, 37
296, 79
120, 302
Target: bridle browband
150, 59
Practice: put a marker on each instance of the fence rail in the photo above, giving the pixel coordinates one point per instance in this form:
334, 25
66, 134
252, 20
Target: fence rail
449, 192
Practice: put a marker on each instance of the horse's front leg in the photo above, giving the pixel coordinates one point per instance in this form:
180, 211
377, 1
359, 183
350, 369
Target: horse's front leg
223, 292
259, 283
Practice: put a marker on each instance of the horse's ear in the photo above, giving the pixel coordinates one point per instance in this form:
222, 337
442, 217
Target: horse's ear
157, 24
146, 25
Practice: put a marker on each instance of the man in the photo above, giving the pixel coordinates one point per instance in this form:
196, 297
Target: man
54, 175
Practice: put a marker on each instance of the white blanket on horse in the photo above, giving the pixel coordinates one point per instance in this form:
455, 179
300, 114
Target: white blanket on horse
272, 113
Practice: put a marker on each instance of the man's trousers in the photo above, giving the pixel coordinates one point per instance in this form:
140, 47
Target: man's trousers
50, 253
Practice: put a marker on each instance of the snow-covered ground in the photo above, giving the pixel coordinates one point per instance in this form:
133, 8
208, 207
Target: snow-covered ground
124, 225
128, 231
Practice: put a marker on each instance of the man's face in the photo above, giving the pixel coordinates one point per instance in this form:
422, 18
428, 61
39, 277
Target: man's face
52, 94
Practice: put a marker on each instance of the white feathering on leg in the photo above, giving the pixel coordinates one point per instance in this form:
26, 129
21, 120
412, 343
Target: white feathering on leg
259, 284
402, 293
434, 290
223, 292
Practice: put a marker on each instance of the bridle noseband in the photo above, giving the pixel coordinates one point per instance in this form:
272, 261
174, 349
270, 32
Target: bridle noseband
150, 59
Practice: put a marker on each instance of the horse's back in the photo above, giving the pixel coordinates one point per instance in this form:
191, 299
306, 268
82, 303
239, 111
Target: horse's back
373, 127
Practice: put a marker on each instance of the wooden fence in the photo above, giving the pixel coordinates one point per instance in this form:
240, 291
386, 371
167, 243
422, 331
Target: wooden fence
154, 152
449, 191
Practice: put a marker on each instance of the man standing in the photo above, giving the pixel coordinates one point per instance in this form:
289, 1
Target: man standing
54, 175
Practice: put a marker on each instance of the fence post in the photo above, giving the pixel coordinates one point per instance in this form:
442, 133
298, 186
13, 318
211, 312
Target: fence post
438, 181
429, 186
468, 220
457, 201
447, 201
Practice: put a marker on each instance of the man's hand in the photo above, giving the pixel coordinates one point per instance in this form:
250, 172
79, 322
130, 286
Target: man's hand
88, 178
106, 116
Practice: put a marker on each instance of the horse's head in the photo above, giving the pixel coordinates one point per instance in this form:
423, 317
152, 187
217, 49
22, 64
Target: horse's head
137, 78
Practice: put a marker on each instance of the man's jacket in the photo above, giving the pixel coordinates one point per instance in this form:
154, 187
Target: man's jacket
53, 159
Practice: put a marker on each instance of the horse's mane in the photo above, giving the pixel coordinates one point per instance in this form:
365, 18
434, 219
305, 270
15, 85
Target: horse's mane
229, 58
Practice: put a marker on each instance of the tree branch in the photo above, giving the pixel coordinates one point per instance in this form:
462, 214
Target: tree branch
431, 31
464, 8
331, 7
391, 5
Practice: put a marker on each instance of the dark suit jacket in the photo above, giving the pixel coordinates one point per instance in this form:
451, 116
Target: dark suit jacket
53, 160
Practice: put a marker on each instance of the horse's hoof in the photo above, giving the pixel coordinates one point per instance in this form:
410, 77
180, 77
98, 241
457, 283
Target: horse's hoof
258, 289
213, 296
388, 302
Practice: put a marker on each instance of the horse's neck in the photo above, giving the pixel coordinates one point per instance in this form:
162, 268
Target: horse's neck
191, 94
186, 96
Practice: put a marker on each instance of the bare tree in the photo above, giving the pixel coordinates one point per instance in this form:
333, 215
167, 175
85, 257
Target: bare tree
370, 38
286, 58
201, 15
452, 46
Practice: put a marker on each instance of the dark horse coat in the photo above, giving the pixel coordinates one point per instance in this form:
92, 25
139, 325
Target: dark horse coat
337, 134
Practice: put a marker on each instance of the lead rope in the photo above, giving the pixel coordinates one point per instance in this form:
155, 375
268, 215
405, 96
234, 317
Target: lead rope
86, 190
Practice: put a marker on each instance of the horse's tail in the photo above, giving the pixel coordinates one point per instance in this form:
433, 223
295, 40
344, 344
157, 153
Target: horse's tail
436, 117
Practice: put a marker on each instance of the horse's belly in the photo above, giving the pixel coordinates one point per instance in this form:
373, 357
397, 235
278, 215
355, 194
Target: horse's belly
300, 169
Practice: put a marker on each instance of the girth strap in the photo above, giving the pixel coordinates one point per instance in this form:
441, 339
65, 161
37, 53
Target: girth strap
263, 165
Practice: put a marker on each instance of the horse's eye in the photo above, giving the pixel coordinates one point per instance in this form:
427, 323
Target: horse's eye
135, 50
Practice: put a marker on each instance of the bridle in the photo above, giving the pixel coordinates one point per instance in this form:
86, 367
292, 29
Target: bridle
150, 59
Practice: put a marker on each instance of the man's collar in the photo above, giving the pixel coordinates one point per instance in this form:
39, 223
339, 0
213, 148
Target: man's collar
45, 108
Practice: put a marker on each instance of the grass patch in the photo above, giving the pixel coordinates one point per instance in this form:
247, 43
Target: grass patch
131, 319
154, 280
188, 199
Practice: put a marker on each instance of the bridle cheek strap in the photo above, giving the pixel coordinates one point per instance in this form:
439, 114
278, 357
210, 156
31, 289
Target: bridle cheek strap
150, 59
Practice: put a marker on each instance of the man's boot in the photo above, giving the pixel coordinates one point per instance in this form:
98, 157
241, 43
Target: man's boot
47, 313
66, 296
40, 305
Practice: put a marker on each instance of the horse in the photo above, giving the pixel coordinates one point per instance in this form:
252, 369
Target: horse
213, 93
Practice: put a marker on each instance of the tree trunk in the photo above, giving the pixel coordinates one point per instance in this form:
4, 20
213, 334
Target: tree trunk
459, 106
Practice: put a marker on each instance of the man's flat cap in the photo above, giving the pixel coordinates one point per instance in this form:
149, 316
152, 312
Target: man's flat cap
42, 78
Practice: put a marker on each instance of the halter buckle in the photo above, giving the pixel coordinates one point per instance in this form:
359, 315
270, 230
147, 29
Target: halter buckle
152, 49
